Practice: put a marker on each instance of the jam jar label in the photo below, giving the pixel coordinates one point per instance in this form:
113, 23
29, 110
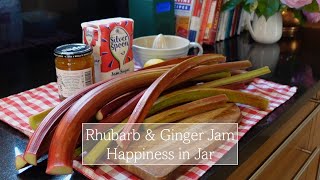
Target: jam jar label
70, 82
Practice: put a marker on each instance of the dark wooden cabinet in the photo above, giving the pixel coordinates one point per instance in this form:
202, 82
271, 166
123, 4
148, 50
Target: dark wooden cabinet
292, 152
310, 169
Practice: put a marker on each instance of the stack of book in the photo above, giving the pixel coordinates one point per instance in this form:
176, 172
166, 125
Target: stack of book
204, 22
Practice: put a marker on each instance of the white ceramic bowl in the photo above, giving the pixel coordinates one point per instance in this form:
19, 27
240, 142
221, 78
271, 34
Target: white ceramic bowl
177, 47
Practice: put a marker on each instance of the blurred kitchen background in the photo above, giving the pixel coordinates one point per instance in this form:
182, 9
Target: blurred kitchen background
31, 29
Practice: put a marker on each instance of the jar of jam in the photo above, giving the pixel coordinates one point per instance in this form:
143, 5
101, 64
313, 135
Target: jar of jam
74, 68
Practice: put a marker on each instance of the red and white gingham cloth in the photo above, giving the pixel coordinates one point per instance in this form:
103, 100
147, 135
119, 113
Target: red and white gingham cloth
15, 110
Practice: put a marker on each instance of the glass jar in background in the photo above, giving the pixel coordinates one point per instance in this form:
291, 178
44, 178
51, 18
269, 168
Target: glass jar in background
74, 68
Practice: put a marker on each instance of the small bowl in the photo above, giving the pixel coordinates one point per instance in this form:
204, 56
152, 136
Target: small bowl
177, 47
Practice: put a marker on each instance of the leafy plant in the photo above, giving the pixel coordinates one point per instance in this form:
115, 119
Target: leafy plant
313, 7
268, 8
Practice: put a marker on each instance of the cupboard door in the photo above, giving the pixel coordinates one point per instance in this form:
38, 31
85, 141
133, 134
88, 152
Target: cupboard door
289, 157
315, 133
316, 98
293, 153
282, 132
310, 169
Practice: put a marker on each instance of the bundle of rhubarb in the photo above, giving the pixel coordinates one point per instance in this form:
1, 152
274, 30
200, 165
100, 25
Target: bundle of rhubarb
183, 89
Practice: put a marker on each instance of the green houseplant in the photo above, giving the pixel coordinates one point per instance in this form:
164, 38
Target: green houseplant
267, 22
268, 8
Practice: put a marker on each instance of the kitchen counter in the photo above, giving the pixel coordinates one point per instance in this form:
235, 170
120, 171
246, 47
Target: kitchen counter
293, 61
296, 63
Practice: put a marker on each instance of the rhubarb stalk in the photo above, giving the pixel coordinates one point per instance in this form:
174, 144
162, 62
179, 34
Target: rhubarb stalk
41, 134
188, 109
157, 87
69, 128
220, 82
171, 115
237, 78
234, 86
115, 104
171, 62
213, 115
36, 119
168, 62
63, 142
125, 110
20, 162
188, 95
97, 151
207, 69
211, 77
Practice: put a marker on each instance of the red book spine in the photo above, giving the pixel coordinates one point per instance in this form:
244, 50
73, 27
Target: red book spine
235, 21
195, 21
213, 31
204, 20
197, 8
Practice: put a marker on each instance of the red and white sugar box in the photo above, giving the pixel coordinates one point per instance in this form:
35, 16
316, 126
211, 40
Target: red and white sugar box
111, 40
